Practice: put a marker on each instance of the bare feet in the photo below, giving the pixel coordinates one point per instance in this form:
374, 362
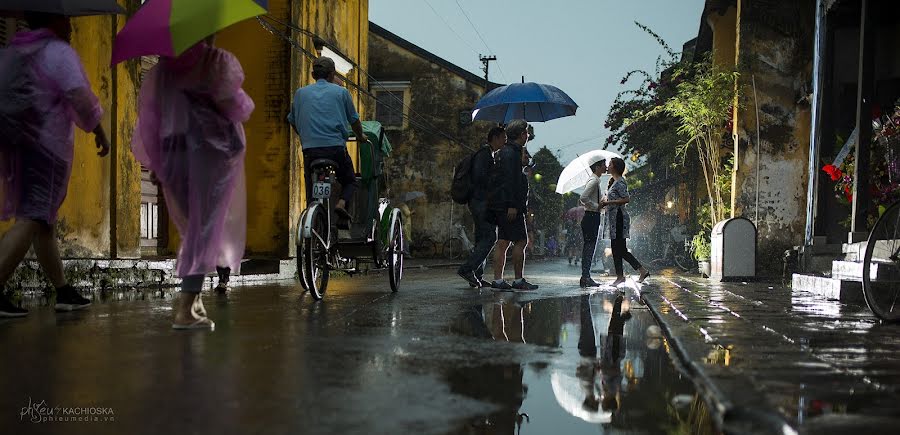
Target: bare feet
198, 308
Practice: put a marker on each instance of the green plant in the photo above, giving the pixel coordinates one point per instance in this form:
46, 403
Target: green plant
704, 107
701, 248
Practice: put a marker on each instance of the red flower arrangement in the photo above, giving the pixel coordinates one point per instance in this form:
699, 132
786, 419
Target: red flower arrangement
833, 171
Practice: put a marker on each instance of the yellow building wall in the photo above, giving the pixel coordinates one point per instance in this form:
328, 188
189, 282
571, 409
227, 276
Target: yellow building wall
273, 70
100, 217
91, 225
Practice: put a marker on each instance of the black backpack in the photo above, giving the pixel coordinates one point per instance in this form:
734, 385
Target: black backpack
462, 187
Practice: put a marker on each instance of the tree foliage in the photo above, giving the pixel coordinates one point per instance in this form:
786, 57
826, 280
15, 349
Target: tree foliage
548, 205
633, 133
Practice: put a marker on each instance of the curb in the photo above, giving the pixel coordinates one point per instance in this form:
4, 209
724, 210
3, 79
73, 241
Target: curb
730, 418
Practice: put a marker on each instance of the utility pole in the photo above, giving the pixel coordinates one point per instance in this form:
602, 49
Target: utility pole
486, 60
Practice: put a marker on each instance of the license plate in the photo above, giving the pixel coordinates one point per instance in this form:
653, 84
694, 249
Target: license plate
321, 190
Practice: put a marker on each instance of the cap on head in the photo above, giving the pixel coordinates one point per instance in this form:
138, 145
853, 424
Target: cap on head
322, 67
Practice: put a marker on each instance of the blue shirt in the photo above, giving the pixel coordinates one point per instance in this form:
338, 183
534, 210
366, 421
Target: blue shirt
321, 114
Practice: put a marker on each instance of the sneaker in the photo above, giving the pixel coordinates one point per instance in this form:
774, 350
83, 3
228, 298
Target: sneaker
469, 277
7, 309
588, 282
524, 285
68, 299
501, 285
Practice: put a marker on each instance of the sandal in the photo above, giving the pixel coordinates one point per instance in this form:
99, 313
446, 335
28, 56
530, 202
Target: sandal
201, 323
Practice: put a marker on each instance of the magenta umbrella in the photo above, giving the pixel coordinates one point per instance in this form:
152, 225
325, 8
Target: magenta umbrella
170, 27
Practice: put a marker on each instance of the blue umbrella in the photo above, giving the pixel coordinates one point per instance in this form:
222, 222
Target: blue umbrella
532, 102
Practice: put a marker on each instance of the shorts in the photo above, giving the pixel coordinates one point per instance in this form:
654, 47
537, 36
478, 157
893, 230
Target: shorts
515, 231
45, 181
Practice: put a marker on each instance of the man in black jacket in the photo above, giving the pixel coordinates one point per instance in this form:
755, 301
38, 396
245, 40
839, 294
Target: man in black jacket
485, 231
508, 203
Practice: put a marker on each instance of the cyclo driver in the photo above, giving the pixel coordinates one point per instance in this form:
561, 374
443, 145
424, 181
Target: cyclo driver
320, 115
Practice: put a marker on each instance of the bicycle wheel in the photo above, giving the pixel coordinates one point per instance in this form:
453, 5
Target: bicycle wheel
453, 249
685, 262
315, 256
881, 266
395, 257
425, 248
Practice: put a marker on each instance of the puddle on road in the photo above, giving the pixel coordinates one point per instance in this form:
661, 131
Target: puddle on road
613, 372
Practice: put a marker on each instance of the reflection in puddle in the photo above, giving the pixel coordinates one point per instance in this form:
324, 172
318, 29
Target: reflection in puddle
612, 373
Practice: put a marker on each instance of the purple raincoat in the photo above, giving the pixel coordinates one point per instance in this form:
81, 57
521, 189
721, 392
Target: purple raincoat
34, 176
189, 134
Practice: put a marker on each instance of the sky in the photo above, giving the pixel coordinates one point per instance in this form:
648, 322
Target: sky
583, 47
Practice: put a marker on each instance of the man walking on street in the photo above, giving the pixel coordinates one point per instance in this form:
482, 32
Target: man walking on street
508, 202
320, 114
485, 231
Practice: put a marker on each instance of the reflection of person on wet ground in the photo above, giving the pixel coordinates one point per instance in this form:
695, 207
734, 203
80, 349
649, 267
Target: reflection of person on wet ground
613, 352
587, 369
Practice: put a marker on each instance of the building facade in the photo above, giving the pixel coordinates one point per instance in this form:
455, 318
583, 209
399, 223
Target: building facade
113, 212
425, 104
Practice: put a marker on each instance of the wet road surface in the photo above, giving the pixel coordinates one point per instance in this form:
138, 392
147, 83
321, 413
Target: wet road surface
435, 358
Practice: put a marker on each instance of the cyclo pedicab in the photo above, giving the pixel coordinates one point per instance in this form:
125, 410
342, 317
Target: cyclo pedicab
376, 234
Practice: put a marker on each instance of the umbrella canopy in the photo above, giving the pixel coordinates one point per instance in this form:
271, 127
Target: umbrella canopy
169, 27
63, 7
532, 102
578, 172
574, 213
570, 394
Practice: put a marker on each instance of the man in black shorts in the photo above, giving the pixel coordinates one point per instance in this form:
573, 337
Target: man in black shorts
508, 202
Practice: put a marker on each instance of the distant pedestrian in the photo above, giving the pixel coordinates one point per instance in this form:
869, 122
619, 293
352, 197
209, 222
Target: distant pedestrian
189, 134
573, 242
590, 223
485, 230
38, 147
508, 204
618, 222
320, 115
552, 246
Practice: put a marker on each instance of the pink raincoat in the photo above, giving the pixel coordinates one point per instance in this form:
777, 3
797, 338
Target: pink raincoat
34, 177
189, 134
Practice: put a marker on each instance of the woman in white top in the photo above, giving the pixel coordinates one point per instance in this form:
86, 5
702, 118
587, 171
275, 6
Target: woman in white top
590, 224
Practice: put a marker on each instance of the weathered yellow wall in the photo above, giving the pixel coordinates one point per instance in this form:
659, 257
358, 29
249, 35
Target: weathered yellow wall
273, 72
724, 37
265, 60
90, 224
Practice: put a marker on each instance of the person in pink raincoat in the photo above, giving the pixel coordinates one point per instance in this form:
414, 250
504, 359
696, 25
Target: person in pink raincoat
189, 134
35, 168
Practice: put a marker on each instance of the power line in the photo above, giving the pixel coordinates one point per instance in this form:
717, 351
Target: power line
595, 137
422, 125
451, 27
465, 14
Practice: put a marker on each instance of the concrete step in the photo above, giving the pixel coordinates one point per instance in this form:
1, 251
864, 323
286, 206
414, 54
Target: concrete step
843, 290
852, 270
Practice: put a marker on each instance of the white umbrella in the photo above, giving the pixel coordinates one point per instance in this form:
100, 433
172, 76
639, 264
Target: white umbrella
570, 395
578, 172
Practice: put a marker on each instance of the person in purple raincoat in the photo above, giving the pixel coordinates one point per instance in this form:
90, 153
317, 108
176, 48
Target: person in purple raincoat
189, 134
35, 167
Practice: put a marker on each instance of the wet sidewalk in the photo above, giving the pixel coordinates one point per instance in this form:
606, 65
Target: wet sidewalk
769, 357
434, 358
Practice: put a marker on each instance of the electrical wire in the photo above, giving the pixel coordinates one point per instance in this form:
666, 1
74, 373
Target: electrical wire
421, 124
451, 27
479, 36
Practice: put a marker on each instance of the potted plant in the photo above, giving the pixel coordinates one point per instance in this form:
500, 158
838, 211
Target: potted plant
701, 249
